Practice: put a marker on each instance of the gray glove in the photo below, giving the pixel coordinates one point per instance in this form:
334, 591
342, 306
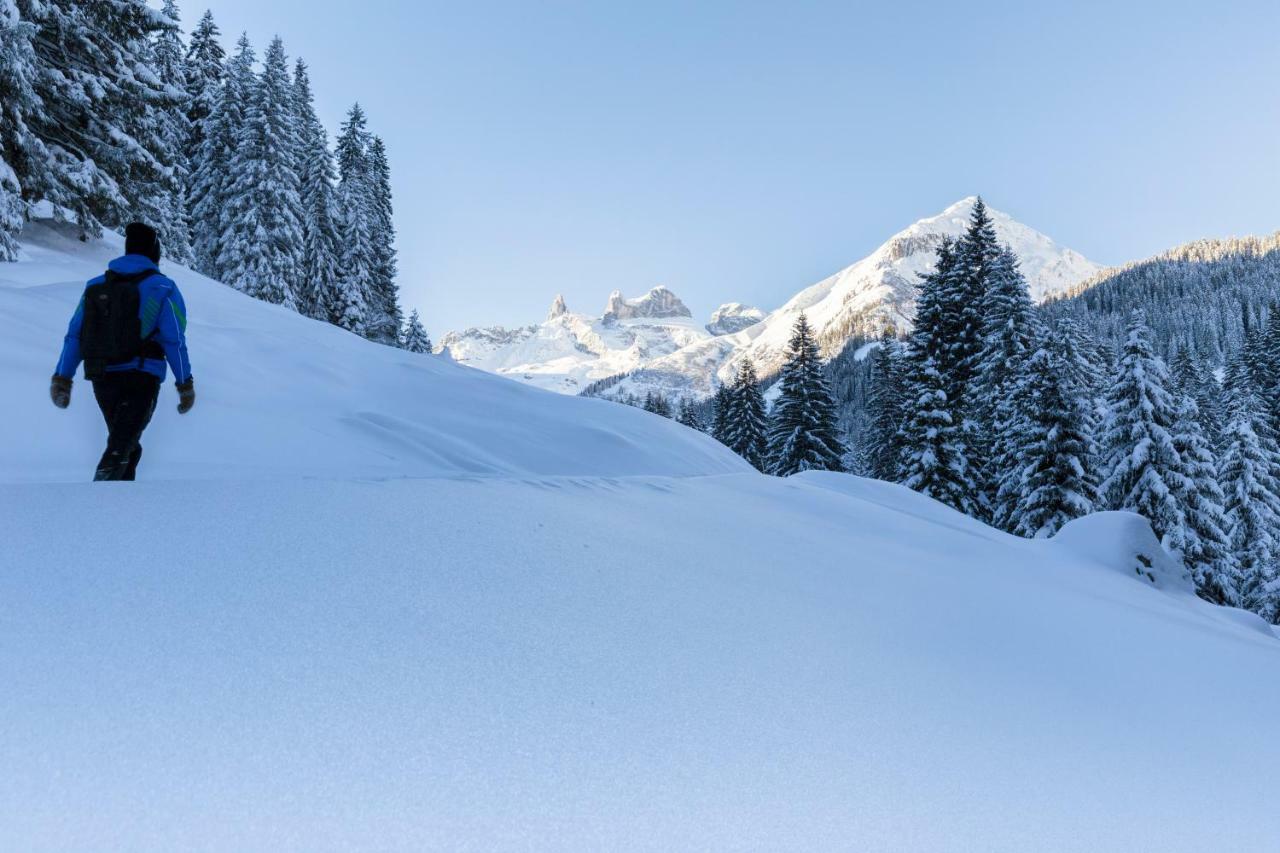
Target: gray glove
60, 391
186, 396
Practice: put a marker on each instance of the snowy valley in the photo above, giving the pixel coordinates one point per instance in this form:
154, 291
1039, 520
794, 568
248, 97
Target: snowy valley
401, 603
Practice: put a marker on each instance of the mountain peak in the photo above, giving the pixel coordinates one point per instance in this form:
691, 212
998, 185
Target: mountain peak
658, 303
732, 317
558, 307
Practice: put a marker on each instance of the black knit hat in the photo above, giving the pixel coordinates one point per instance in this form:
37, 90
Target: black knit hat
140, 239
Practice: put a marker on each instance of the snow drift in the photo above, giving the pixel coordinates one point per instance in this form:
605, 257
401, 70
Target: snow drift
311, 626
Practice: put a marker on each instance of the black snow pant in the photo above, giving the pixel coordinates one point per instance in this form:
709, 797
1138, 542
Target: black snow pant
127, 399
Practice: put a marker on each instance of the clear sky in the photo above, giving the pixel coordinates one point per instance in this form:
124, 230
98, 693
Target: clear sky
739, 151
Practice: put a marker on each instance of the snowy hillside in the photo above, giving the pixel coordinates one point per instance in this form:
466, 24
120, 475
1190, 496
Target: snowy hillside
664, 353
569, 351
280, 394
311, 625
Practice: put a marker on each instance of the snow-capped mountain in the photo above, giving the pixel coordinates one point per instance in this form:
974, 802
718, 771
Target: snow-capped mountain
568, 351
862, 299
652, 343
733, 317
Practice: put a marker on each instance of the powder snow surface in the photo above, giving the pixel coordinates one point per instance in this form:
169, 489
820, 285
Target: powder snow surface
304, 632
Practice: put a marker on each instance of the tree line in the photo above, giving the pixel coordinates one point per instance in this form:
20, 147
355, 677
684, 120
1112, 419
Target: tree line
1020, 417
107, 114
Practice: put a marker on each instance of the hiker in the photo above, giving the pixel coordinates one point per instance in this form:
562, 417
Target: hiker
129, 322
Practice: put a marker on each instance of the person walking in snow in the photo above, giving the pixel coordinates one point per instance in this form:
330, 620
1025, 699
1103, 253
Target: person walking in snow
130, 321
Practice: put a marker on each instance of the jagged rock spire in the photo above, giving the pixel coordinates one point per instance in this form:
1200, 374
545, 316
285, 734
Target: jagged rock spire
558, 308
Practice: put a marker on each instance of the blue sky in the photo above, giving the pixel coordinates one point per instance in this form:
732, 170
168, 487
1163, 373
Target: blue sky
740, 151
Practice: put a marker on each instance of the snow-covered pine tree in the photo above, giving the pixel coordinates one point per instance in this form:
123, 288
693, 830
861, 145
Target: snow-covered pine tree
746, 421
657, 404
933, 448
721, 412
100, 152
1191, 380
802, 426
317, 288
1012, 331
1086, 369
881, 442
415, 337
212, 178
1049, 450
170, 192
934, 453
204, 64
689, 415
1248, 474
262, 230
978, 258
348, 307
1011, 334
355, 299
385, 317
1202, 539
1144, 472
18, 101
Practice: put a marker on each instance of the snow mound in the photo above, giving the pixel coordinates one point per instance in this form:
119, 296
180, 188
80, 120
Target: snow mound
281, 395
1124, 543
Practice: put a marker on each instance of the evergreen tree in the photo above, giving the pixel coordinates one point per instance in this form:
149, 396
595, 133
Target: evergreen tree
1012, 330
212, 177
746, 420
934, 452
1249, 467
386, 316
1191, 380
1012, 333
415, 337
657, 404
204, 69
355, 301
100, 152
802, 429
978, 261
1202, 539
721, 413
1050, 451
1144, 470
886, 406
318, 289
170, 190
933, 449
18, 101
262, 230
689, 415
348, 307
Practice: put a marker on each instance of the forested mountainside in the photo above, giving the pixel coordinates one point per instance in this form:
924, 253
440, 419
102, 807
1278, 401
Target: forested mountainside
1203, 296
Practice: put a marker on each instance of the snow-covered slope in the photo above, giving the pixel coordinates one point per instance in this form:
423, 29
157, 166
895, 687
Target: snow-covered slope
311, 626
862, 299
280, 394
726, 663
569, 351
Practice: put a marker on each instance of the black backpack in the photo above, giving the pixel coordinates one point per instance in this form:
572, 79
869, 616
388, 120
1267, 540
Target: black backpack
111, 329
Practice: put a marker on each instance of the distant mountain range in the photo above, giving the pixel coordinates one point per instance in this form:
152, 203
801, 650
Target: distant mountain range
653, 343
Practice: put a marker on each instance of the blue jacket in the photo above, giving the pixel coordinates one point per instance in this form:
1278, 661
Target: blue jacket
161, 310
